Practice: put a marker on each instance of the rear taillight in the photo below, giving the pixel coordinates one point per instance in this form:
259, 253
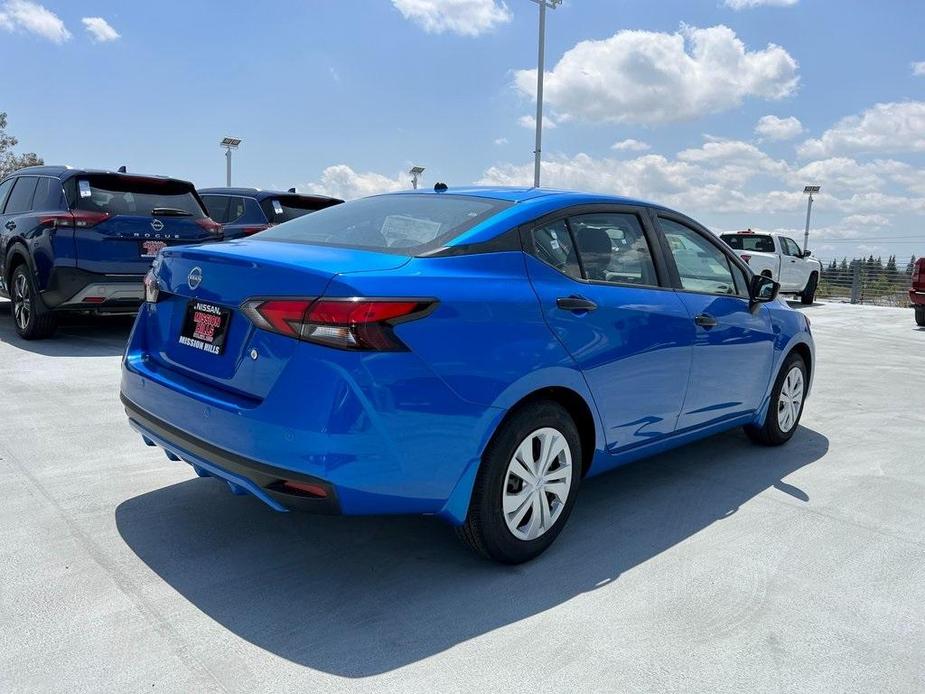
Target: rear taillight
152, 289
350, 323
210, 225
918, 273
80, 219
250, 231
745, 257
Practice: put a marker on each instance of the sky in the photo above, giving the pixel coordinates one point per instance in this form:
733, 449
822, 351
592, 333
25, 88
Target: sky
722, 109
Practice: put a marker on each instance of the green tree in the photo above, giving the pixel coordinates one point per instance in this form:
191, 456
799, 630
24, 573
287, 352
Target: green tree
911, 266
9, 161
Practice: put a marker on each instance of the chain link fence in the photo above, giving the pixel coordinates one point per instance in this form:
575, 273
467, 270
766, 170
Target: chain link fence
865, 281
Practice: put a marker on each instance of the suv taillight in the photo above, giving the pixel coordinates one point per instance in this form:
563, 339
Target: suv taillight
250, 231
350, 323
80, 219
746, 257
210, 225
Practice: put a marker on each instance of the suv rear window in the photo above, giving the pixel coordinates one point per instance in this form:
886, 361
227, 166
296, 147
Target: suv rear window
401, 224
759, 243
285, 208
135, 195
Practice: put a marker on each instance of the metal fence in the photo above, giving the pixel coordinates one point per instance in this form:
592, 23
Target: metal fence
865, 281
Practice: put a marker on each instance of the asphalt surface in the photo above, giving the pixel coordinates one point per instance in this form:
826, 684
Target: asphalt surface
720, 567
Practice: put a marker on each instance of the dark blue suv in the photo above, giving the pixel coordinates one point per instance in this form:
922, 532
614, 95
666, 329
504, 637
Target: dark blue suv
82, 240
245, 211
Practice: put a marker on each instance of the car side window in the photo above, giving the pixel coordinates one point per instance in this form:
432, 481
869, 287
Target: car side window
4, 189
702, 267
552, 243
48, 195
741, 280
235, 209
790, 247
612, 247
21, 198
216, 206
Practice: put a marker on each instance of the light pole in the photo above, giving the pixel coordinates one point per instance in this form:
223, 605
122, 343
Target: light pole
540, 70
416, 172
229, 143
810, 191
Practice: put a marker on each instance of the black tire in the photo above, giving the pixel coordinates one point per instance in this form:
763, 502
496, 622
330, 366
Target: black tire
809, 293
920, 316
31, 318
485, 529
771, 433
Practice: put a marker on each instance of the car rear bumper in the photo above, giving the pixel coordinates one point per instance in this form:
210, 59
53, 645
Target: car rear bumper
79, 290
917, 297
241, 474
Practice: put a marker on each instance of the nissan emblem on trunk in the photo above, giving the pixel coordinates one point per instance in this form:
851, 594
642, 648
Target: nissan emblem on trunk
194, 279
157, 225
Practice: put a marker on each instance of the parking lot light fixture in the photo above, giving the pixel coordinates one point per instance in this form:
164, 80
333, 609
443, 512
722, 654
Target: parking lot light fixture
229, 143
540, 70
416, 172
810, 191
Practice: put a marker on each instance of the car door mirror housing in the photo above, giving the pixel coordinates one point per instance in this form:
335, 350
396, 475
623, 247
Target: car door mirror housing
807, 253
762, 289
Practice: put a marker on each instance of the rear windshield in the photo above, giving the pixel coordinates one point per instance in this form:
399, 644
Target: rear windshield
284, 208
758, 243
402, 224
134, 195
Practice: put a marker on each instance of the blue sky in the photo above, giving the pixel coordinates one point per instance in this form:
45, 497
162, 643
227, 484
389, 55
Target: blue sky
344, 96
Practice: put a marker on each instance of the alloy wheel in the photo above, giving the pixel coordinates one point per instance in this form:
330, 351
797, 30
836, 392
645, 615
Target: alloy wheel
22, 301
790, 400
537, 483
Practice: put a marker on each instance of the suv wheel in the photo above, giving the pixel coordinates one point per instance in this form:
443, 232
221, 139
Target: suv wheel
32, 320
809, 293
526, 486
786, 406
920, 315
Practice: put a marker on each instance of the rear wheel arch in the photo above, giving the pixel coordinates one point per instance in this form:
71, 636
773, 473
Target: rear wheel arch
573, 403
17, 255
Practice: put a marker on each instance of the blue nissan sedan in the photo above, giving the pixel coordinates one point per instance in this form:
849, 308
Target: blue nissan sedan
472, 354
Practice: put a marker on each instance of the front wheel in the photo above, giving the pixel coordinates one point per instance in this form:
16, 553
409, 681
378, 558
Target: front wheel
809, 293
526, 486
32, 320
786, 406
920, 315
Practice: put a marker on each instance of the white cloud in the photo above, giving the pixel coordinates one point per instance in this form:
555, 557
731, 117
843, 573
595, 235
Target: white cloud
649, 77
529, 122
463, 17
631, 145
774, 128
890, 127
343, 182
918, 69
501, 141
749, 4
100, 29
866, 220
33, 18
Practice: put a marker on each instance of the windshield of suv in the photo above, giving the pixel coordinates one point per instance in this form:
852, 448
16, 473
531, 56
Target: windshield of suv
403, 224
285, 208
135, 195
759, 243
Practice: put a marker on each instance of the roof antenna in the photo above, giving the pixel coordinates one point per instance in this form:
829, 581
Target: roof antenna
440, 187
292, 190
122, 169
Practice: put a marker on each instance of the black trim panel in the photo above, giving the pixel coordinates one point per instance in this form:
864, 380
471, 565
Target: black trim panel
266, 477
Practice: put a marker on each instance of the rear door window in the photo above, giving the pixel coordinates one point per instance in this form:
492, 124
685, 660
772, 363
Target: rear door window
21, 197
757, 243
137, 196
552, 243
613, 248
5, 188
48, 195
283, 208
216, 206
236, 207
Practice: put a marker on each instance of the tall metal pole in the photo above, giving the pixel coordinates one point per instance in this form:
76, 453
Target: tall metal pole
228, 167
540, 70
809, 211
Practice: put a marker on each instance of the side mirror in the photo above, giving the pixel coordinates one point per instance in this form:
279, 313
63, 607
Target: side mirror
807, 253
762, 289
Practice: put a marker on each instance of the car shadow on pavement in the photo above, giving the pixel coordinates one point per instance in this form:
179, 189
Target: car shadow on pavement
357, 597
78, 335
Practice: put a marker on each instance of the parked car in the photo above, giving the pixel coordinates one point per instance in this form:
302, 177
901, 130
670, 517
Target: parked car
470, 354
82, 240
245, 211
780, 258
917, 292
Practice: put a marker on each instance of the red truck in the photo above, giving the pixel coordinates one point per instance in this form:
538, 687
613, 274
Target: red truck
917, 292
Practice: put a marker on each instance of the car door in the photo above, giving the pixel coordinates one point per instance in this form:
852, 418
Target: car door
733, 348
791, 265
604, 294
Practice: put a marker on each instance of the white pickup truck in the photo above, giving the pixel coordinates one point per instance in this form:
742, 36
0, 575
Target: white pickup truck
780, 258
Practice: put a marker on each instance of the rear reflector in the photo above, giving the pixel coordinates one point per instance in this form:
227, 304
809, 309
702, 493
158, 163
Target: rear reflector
305, 488
350, 323
94, 299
